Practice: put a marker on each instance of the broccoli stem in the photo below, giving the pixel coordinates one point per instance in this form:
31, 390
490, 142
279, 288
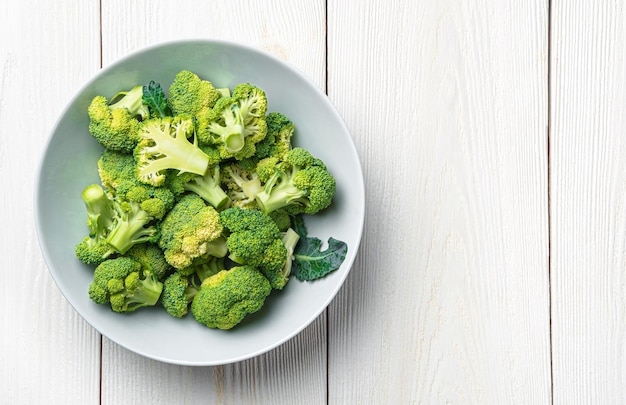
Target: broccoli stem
99, 210
217, 247
278, 194
231, 136
290, 240
147, 294
209, 189
130, 229
132, 100
181, 155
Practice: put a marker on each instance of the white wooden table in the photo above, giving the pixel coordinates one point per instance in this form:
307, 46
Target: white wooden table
493, 264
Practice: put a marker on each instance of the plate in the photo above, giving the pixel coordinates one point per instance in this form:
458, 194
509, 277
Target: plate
68, 164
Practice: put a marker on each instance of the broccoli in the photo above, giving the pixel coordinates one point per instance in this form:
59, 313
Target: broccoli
115, 124
132, 101
242, 185
94, 249
225, 298
151, 257
134, 223
255, 240
290, 240
235, 124
178, 292
116, 225
188, 94
175, 181
277, 142
189, 230
282, 219
117, 173
208, 187
205, 266
300, 183
125, 285
164, 145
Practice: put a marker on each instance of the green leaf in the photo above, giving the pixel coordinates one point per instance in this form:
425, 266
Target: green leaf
311, 263
154, 98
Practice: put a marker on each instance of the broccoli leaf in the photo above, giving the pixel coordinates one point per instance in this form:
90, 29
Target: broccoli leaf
310, 261
154, 98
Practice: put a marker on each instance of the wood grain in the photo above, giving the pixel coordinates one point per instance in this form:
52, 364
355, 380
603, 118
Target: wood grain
588, 200
448, 301
292, 31
48, 354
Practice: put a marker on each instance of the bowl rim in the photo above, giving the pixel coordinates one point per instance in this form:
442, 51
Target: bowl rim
358, 232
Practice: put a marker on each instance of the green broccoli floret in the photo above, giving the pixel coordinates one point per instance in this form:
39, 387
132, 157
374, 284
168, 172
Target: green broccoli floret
164, 145
209, 188
151, 257
225, 298
190, 230
115, 167
134, 224
115, 124
235, 124
117, 173
242, 185
188, 94
178, 292
94, 249
124, 284
255, 240
132, 101
299, 184
277, 143
282, 219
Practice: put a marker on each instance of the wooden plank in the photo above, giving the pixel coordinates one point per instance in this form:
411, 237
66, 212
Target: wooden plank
292, 31
48, 354
448, 301
588, 183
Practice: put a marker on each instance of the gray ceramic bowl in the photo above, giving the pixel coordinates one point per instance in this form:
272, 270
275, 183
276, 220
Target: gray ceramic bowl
69, 164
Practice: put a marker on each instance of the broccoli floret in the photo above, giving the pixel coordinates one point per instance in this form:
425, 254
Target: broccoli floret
115, 125
188, 94
242, 185
151, 257
178, 292
164, 145
124, 284
225, 298
209, 188
190, 230
115, 168
175, 181
94, 249
117, 173
134, 224
300, 184
277, 143
132, 101
255, 240
282, 219
205, 266
235, 124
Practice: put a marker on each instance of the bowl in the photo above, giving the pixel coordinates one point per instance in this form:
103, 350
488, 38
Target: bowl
68, 165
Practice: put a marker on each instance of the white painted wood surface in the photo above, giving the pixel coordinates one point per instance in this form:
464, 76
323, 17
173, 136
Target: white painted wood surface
588, 194
492, 264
